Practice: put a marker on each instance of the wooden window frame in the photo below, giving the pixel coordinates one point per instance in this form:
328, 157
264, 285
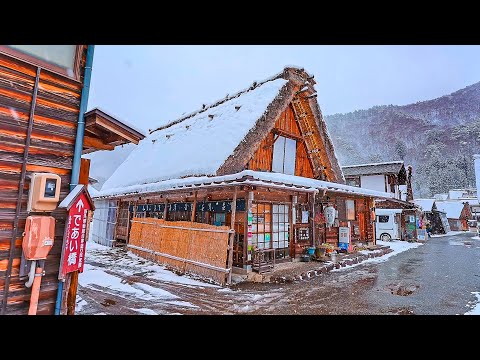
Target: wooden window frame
57, 69
354, 210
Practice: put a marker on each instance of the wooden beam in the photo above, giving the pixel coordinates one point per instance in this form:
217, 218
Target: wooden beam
232, 236
90, 142
117, 130
194, 207
84, 171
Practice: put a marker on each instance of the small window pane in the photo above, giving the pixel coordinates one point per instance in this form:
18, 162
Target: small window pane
290, 156
383, 218
278, 152
61, 55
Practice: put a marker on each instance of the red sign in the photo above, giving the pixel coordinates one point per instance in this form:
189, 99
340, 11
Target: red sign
75, 242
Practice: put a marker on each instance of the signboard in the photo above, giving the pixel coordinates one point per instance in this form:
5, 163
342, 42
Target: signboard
344, 235
73, 254
202, 206
421, 234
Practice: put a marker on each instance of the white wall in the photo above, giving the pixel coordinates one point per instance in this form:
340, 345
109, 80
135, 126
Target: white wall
373, 182
455, 194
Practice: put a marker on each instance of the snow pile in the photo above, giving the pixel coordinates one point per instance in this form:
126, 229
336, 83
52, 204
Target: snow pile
95, 278
450, 233
198, 145
396, 245
476, 309
129, 264
145, 311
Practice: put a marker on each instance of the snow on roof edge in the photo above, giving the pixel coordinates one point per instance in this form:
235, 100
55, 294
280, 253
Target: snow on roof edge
374, 164
260, 178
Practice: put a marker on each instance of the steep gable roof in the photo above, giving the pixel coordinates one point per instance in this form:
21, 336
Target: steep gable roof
390, 167
452, 208
220, 138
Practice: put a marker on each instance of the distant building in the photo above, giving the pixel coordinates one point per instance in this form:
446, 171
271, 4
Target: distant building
457, 214
386, 176
438, 219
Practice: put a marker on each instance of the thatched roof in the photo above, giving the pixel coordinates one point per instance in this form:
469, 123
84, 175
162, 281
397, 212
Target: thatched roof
390, 167
222, 137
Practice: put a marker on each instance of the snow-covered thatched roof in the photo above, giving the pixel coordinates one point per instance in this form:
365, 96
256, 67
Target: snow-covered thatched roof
425, 204
390, 167
221, 138
452, 208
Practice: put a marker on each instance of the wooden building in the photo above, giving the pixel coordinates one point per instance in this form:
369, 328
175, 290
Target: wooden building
43, 96
457, 214
259, 163
388, 176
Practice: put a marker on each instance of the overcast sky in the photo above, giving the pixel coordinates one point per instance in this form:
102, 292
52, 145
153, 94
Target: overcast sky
148, 85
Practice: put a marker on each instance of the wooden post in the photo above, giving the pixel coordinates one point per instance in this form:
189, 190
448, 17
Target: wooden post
165, 210
292, 222
194, 208
71, 292
313, 218
192, 233
232, 236
245, 239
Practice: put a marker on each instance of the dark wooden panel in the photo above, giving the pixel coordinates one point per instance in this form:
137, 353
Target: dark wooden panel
51, 150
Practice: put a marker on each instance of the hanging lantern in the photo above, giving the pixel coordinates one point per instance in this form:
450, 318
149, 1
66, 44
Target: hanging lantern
329, 212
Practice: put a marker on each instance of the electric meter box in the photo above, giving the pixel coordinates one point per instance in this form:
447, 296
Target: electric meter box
38, 237
44, 192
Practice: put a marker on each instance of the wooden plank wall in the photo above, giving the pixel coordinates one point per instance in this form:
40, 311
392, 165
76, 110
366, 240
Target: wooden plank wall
51, 150
202, 246
286, 125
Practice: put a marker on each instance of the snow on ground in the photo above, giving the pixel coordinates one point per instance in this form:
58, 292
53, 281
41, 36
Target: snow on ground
476, 308
450, 233
80, 303
476, 238
95, 278
145, 311
396, 245
130, 263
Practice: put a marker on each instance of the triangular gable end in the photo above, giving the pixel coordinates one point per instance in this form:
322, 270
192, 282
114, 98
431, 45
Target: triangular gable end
294, 114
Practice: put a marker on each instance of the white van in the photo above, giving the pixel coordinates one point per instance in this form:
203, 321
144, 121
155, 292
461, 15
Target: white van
387, 224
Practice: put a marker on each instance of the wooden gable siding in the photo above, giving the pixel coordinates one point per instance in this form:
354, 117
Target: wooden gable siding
51, 150
286, 125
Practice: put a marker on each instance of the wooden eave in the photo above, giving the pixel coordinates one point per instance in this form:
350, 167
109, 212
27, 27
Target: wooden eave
104, 132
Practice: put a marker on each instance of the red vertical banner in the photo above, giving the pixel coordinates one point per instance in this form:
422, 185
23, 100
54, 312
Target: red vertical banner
73, 257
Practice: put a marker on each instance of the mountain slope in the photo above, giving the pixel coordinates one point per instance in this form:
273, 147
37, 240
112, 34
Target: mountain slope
437, 137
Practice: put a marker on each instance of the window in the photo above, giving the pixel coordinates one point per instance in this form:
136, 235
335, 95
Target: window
350, 208
62, 59
383, 218
284, 155
351, 182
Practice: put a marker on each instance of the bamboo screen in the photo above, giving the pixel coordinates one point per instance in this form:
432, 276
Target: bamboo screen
185, 240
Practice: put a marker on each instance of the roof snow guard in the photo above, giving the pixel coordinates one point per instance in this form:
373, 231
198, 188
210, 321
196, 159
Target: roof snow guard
221, 138
390, 167
246, 177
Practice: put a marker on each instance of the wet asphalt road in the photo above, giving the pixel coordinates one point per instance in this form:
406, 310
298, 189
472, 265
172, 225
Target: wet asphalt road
436, 278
